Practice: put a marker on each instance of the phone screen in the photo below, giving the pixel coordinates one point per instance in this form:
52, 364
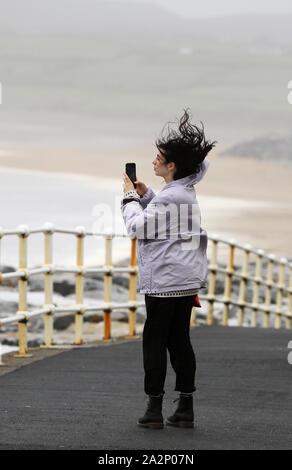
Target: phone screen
131, 172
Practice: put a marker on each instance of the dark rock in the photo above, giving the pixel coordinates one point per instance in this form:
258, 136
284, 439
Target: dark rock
10, 341
123, 316
219, 288
121, 280
62, 321
32, 343
7, 269
64, 287
93, 317
35, 343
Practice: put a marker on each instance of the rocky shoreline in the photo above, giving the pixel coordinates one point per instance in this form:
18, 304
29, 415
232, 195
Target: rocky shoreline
64, 294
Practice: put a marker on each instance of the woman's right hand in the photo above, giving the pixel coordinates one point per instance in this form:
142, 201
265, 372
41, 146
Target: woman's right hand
141, 188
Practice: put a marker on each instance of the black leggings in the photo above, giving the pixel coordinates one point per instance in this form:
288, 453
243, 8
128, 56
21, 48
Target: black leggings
167, 326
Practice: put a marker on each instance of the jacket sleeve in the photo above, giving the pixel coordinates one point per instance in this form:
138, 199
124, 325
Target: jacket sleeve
148, 196
141, 223
163, 218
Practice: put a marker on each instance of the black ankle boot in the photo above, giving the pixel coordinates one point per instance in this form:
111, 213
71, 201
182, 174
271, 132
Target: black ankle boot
184, 414
153, 416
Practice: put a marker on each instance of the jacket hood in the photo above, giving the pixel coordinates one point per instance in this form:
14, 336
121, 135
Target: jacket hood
192, 179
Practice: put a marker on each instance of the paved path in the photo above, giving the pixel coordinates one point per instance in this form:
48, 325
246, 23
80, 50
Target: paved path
90, 398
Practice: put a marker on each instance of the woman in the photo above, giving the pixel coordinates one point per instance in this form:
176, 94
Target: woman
172, 265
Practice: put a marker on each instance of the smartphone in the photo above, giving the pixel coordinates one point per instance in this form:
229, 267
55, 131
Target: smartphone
131, 172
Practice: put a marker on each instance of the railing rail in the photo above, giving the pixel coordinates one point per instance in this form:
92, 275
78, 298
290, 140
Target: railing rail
49, 309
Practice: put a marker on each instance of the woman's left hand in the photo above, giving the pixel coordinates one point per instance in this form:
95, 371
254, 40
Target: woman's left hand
128, 185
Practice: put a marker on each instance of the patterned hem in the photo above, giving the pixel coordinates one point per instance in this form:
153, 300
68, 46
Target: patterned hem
131, 193
175, 293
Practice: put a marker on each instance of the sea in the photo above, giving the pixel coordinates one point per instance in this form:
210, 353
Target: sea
34, 198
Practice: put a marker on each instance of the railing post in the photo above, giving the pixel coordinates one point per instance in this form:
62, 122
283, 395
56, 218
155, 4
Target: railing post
132, 289
212, 282
79, 285
22, 293
242, 286
257, 280
268, 297
108, 287
193, 321
48, 284
280, 287
289, 317
228, 284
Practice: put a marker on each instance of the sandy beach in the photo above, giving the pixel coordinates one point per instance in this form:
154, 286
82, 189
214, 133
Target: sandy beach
240, 198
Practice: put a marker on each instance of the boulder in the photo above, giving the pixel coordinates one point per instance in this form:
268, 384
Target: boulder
62, 321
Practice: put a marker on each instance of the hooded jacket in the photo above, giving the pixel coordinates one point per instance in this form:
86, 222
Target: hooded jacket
169, 262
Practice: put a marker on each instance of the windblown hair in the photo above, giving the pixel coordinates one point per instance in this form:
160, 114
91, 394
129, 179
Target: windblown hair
187, 147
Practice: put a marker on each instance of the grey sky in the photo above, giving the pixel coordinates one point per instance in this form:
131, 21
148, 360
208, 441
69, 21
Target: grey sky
203, 8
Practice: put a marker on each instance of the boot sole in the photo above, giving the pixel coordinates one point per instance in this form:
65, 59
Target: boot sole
151, 425
181, 424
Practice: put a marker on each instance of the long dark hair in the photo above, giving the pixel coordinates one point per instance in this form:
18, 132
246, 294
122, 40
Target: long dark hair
187, 147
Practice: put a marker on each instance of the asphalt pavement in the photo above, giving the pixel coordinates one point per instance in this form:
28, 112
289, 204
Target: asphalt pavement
91, 397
